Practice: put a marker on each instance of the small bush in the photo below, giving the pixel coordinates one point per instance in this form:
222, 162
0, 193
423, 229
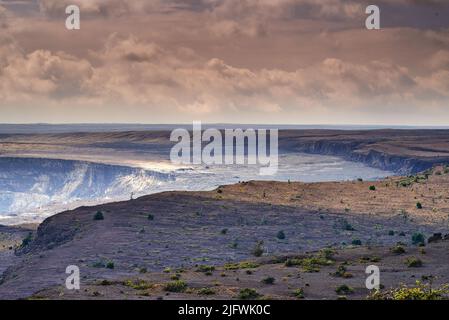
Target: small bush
280, 235
347, 226
418, 238
372, 188
110, 265
206, 292
98, 216
176, 286
413, 262
224, 231
398, 249
205, 268
258, 249
27, 240
150, 217
418, 292
344, 289
342, 273
138, 284
176, 276
293, 262
299, 293
241, 265
356, 242
268, 280
248, 294
418, 205
391, 233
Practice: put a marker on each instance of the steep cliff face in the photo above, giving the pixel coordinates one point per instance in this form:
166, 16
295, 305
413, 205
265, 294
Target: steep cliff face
28, 183
352, 150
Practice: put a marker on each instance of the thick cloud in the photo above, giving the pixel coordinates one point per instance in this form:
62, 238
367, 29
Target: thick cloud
220, 60
135, 73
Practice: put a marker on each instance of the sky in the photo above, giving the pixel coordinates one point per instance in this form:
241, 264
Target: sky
225, 61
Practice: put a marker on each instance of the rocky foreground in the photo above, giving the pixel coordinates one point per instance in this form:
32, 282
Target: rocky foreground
192, 244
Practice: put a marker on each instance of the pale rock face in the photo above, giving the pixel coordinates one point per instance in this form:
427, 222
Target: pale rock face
30, 184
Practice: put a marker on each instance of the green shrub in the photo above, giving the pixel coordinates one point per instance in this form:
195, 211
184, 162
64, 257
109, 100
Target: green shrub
248, 294
418, 292
347, 226
398, 249
413, 262
241, 265
324, 257
299, 293
206, 291
372, 188
110, 265
98, 216
176, 286
268, 280
391, 233
418, 205
356, 242
258, 249
344, 289
205, 268
280, 235
224, 231
27, 240
342, 272
150, 217
138, 284
293, 262
418, 238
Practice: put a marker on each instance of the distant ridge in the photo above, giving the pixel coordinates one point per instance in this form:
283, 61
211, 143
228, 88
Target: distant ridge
47, 128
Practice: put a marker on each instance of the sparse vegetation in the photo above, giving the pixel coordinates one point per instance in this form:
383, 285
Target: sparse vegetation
98, 216
268, 280
176, 286
258, 249
205, 268
248, 294
342, 272
344, 290
346, 225
418, 238
280, 235
398, 249
312, 263
241, 265
299, 293
419, 291
27, 240
413, 262
372, 188
419, 205
138, 284
206, 292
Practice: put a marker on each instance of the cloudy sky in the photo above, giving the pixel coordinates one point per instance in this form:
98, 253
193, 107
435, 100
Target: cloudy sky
247, 61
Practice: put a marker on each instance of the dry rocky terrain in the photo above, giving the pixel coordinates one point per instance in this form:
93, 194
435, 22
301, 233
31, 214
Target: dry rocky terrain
191, 244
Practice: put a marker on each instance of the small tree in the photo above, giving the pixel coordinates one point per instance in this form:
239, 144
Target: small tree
98, 216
